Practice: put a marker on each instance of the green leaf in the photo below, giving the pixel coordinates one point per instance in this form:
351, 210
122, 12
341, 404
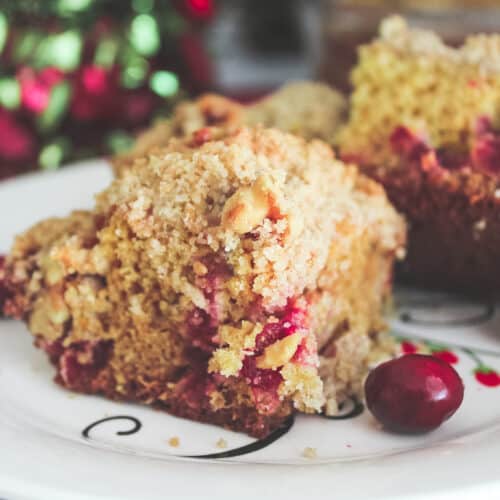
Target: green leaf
483, 369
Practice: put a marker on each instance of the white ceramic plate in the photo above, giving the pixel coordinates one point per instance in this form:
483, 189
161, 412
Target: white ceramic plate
55, 444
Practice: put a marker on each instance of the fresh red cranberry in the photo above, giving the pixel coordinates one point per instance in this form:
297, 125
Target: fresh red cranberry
415, 393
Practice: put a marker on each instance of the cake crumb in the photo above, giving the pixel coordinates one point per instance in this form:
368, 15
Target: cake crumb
174, 441
221, 443
309, 453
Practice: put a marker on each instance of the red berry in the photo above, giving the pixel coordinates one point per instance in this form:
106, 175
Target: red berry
414, 393
487, 376
408, 347
448, 356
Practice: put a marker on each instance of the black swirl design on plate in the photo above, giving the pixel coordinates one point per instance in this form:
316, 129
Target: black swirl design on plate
135, 421
413, 312
349, 409
250, 448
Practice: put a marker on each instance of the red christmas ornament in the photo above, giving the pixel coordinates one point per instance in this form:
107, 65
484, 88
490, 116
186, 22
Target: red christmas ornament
137, 106
17, 143
96, 93
200, 9
36, 87
95, 80
198, 65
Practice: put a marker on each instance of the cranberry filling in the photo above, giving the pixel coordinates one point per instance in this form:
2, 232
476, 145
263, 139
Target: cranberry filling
265, 382
201, 330
484, 155
194, 387
79, 362
291, 319
407, 144
83, 360
54, 350
202, 325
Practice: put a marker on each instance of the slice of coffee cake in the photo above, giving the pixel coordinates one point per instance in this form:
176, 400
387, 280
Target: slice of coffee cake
231, 278
424, 122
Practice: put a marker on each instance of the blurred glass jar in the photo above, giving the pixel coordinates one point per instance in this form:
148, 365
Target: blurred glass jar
350, 23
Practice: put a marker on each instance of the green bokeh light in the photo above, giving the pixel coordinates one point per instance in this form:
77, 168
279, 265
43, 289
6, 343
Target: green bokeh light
135, 72
65, 50
62, 51
10, 93
58, 104
4, 29
143, 6
106, 52
52, 154
26, 45
119, 141
144, 35
71, 6
164, 83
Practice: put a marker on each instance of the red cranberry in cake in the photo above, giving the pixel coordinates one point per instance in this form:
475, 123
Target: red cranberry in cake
208, 278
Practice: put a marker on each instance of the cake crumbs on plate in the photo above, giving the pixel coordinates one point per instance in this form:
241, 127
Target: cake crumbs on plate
310, 453
221, 443
174, 442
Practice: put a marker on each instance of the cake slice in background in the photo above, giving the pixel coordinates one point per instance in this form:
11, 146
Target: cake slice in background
231, 278
309, 109
424, 121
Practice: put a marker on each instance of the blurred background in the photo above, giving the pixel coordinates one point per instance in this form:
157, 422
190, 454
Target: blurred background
78, 78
